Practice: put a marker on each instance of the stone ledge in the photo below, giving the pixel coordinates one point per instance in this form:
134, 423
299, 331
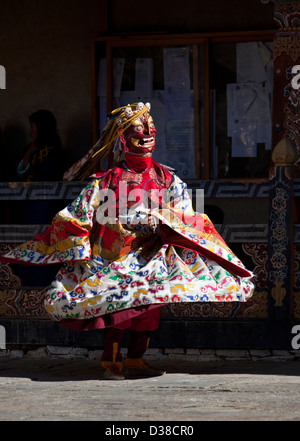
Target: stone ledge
180, 354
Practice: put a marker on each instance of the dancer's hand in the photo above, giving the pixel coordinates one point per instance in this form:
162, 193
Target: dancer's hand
153, 222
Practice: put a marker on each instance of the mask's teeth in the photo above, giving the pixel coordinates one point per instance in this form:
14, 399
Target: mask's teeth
146, 140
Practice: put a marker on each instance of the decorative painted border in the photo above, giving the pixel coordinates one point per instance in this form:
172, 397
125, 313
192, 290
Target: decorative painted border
70, 190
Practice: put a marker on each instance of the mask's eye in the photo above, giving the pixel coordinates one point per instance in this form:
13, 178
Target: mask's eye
138, 128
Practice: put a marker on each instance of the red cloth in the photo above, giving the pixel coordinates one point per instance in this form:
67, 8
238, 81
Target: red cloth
146, 321
137, 163
145, 318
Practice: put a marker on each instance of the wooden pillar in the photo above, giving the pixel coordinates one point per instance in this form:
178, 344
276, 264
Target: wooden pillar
280, 249
286, 143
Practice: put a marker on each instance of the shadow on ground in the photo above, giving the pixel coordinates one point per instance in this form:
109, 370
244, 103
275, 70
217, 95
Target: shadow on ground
85, 370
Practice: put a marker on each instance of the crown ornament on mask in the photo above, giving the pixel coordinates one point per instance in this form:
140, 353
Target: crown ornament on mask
131, 112
109, 143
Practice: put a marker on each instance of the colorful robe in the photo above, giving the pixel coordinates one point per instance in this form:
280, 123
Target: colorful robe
113, 261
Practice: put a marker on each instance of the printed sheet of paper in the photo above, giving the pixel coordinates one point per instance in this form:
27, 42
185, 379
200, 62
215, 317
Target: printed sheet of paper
177, 83
180, 147
177, 98
248, 106
240, 98
177, 69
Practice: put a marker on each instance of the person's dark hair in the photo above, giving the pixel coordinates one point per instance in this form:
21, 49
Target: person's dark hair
47, 129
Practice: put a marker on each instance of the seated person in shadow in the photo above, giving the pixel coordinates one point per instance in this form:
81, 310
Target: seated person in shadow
42, 157
41, 162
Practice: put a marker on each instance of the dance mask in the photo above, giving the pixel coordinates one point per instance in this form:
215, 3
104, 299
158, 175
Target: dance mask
129, 129
137, 134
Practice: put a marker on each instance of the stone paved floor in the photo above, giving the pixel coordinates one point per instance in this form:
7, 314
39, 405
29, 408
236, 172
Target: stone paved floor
67, 390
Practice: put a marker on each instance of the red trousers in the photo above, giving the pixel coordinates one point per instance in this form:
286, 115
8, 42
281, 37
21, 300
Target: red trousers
140, 328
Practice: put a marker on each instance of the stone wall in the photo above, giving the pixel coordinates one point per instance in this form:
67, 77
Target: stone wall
167, 354
45, 47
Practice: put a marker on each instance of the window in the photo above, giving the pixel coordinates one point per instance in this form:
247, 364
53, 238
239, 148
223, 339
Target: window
241, 82
210, 96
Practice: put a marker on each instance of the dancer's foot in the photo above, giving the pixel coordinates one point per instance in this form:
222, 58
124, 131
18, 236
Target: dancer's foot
113, 374
139, 368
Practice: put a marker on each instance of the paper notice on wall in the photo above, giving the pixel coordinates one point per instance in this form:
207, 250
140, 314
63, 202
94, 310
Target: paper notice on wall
179, 117
180, 147
177, 69
248, 105
177, 93
260, 111
240, 97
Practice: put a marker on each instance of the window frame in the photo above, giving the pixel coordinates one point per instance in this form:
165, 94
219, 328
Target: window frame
162, 40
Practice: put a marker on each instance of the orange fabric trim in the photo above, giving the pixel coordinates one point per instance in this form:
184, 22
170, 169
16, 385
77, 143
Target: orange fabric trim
136, 363
110, 364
